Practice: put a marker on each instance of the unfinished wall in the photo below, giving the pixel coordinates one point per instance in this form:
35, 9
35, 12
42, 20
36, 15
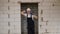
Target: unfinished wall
9, 17
50, 19
49, 16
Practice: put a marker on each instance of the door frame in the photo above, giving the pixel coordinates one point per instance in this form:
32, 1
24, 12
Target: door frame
39, 15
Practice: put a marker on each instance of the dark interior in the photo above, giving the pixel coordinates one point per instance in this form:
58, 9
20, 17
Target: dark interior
34, 7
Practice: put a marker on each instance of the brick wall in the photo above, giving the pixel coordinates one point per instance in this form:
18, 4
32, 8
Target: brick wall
49, 16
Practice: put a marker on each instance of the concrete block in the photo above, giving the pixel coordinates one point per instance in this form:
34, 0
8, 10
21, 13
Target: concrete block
43, 23
3, 16
3, 8
3, 1
49, 1
14, 8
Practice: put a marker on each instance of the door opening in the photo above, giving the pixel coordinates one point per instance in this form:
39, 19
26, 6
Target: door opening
34, 8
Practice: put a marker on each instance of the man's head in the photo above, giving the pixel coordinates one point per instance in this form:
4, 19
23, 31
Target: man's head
28, 10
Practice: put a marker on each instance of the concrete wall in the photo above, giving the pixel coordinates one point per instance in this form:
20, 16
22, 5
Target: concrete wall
9, 17
49, 20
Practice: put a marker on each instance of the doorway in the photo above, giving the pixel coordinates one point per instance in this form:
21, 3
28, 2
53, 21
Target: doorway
34, 7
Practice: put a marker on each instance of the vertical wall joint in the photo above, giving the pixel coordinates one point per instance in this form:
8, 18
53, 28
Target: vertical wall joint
41, 11
8, 15
8, 23
8, 1
9, 31
8, 7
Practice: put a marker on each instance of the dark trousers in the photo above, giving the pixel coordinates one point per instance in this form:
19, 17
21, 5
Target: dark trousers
30, 25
